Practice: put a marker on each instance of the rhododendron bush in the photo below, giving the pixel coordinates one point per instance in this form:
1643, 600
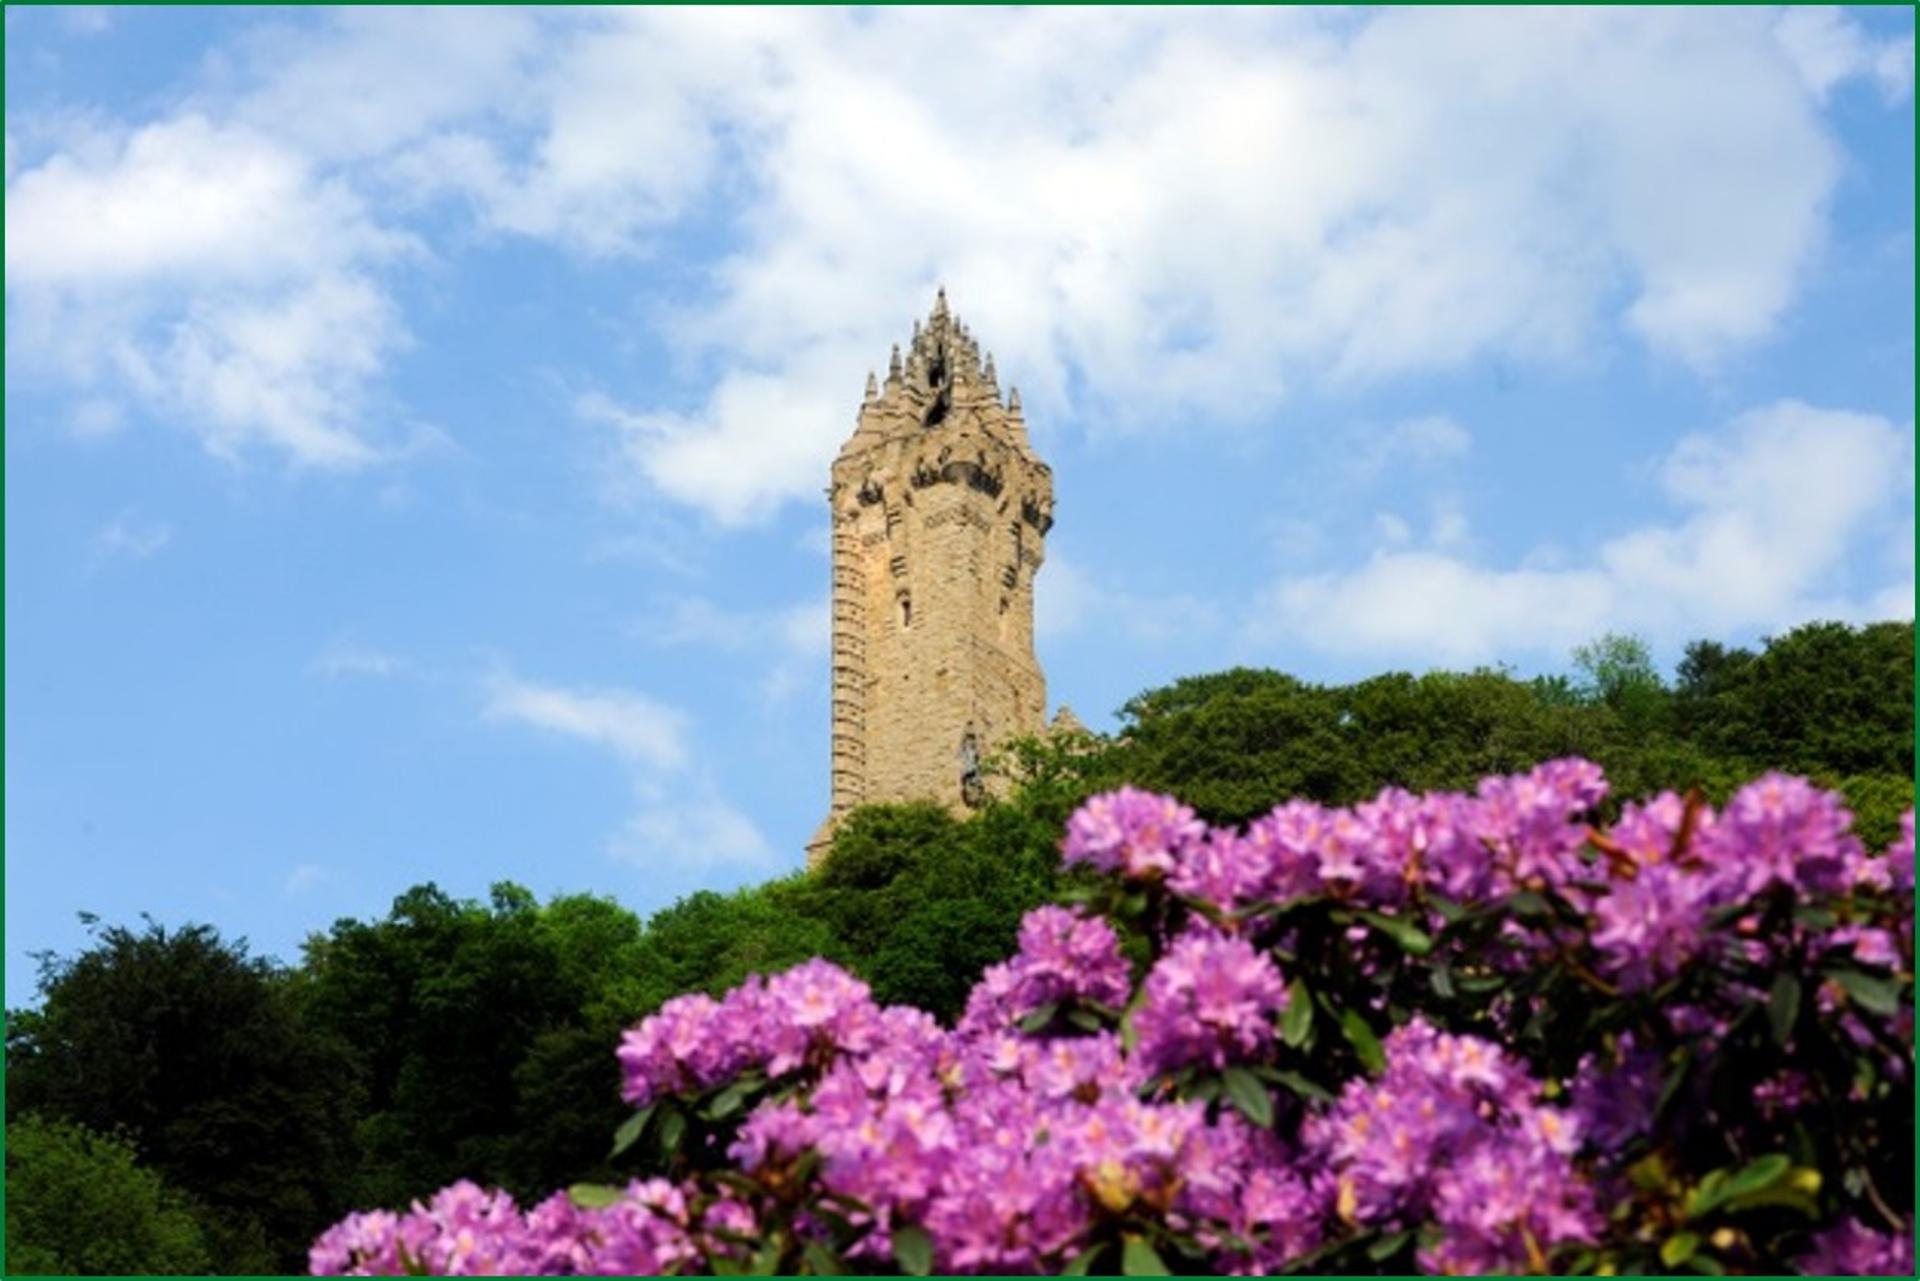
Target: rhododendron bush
1450, 1033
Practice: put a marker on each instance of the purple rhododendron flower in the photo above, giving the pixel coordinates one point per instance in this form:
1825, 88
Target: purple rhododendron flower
1012, 1152
1854, 1250
1210, 1000
1138, 834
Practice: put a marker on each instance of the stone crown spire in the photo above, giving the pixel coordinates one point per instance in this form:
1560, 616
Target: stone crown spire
942, 381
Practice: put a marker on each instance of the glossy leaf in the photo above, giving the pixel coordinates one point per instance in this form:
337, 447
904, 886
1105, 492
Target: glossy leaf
913, 1250
630, 1130
1138, 1258
1250, 1096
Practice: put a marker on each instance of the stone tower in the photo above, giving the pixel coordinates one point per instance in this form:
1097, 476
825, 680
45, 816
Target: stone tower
940, 514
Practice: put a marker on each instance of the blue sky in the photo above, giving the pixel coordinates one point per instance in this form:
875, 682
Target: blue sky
416, 421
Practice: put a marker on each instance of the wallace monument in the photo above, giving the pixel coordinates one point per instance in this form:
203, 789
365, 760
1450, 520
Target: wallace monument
940, 513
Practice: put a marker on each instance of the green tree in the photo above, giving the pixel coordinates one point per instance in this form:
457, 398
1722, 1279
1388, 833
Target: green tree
195, 1052
1618, 671
482, 1033
78, 1203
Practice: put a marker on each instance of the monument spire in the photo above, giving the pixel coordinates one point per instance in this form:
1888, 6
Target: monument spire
940, 512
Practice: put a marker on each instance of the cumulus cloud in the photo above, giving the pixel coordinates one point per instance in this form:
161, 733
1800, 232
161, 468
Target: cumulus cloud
1163, 214
1829, 48
1153, 215
1766, 510
680, 820
205, 273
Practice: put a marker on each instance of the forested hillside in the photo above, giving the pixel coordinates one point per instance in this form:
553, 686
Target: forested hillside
247, 1104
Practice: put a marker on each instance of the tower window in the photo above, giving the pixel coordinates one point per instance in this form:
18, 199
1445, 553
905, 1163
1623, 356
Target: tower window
906, 611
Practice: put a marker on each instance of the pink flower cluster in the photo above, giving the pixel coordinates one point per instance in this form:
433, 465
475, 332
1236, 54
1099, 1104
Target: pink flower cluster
1453, 1133
1014, 1144
1064, 955
467, 1231
1854, 1249
809, 1013
1210, 1000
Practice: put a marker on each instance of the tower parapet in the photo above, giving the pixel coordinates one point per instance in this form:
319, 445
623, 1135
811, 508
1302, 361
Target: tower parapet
940, 512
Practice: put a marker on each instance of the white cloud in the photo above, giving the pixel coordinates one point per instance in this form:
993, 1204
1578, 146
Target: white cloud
207, 273
1828, 48
1193, 211
1152, 215
801, 630
792, 641
1067, 598
126, 535
633, 726
1411, 442
86, 19
680, 820
691, 828
1767, 510
346, 658
304, 878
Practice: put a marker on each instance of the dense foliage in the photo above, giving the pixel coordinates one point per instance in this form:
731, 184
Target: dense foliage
79, 1203
474, 1025
1464, 1033
196, 1053
451, 1038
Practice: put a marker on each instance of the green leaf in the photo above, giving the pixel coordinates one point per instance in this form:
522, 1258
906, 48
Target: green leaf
1251, 1097
1528, 903
1139, 1259
1450, 911
767, 1262
1411, 938
410, 1264
1670, 1088
1678, 1248
821, 1261
594, 1196
1083, 1262
728, 1101
1783, 1006
1814, 917
630, 1131
673, 1128
1296, 1020
913, 1250
1440, 979
1085, 1020
1723, 1187
1299, 1085
1757, 1174
1038, 1020
1388, 1246
1365, 1043
1881, 996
